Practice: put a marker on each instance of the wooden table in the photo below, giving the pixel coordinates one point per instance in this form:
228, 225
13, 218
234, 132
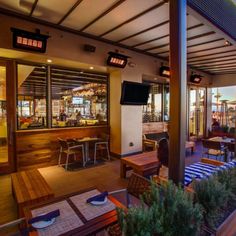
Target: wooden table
226, 142
143, 164
222, 140
89, 226
29, 187
86, 141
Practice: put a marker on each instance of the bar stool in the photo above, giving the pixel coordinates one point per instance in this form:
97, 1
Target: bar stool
102, 144
70, 148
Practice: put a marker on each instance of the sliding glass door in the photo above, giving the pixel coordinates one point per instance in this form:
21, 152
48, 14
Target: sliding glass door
6, 118
3, 117
197, 98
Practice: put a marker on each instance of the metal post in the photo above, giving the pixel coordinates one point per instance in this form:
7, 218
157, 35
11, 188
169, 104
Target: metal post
178, 90
49, 98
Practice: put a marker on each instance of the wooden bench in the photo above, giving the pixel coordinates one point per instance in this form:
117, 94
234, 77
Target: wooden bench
29, 187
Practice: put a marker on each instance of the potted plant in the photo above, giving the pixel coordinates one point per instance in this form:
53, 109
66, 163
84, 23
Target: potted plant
218, 199
169, 210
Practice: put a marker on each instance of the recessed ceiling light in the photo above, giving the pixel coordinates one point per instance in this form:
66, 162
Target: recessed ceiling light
49, 60
91, 67
227, 43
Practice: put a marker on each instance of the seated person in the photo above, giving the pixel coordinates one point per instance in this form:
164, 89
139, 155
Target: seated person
62, 116
215, 125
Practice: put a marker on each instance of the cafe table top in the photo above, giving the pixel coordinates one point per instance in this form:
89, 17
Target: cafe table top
222, 140
76, 216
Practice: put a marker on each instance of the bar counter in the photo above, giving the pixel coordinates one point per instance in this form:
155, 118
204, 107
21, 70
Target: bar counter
39, 147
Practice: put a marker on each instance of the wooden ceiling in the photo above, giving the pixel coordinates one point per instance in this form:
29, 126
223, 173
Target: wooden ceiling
142, 26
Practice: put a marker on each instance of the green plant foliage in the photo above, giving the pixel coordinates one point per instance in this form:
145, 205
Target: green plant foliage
228, 178
137, 221
213, 196
170, 212
178, 215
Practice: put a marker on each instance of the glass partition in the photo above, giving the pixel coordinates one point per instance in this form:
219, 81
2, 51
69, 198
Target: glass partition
157, 108
3, 117
166, 102
31, 97
78, 98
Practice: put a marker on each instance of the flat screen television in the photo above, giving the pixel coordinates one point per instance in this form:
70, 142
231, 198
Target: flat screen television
134, 93
77, 101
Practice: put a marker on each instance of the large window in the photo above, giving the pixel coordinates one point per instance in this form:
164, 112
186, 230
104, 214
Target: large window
157, 108
31, 96
77, 98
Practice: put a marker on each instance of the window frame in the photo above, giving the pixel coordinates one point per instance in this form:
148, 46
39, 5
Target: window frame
49, 94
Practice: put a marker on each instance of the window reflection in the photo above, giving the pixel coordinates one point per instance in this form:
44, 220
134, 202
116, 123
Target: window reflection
31, 96
78, 98
157, 108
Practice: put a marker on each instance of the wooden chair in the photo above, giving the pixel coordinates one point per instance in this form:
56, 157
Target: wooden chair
163, 151
102, 144
137, 185
70, 148
212, 148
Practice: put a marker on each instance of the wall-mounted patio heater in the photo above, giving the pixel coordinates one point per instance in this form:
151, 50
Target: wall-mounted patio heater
195, 78
165, 71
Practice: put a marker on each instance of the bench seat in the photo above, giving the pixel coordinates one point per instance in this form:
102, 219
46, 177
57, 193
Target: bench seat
29, 187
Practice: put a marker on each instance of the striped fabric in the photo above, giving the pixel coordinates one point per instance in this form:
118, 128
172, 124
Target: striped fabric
202, 170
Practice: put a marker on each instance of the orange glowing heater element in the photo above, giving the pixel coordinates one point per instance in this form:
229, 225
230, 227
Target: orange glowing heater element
29, 41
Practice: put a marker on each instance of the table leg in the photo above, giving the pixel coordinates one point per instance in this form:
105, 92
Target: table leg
86, 151
226, 156
122, 170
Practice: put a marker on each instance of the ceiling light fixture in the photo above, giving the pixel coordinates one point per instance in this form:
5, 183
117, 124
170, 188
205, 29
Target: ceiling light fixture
91, 67
49, 60
227, 43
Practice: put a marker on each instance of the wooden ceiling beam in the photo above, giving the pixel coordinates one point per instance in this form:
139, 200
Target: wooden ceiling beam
144, 31
167, 35
208, 49
103, 14
203, 43
69, 12
211, 58
33, 8
132, 18
212, 62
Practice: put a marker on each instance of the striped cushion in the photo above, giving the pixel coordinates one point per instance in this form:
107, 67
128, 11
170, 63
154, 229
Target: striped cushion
202, 170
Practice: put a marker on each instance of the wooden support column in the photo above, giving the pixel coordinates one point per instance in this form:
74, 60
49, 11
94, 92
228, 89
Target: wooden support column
178, 91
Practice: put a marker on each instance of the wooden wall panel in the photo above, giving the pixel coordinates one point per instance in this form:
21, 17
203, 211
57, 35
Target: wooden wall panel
40, 148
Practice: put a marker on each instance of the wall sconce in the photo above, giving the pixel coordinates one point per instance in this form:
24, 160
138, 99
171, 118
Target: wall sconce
195, 78
117, 60
165, 71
